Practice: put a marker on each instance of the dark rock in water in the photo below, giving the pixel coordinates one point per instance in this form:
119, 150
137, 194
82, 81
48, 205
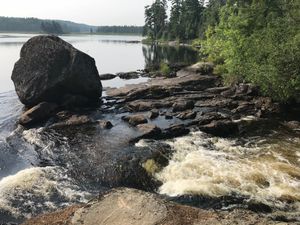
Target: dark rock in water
129, 75
105, 124
187, 115
221, 128
154, 113
259, 207
175, 131
38, 113
50, 69
168, 116
107, 76
135, 119
149, 131
183, 105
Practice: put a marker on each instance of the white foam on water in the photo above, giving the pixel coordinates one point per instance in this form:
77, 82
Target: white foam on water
216, 167
37, 189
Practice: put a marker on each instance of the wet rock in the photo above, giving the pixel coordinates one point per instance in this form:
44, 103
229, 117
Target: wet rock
183, 105
38, 113
105, 124
176, 130
129, 75
139, 106
293, 125
64, 115
152, 92
148, 131
135, 119
259, 207
168, 116
50, 68
154, 113
142, 105
187, 115
130, 206
74, 120
221, 128
107, 76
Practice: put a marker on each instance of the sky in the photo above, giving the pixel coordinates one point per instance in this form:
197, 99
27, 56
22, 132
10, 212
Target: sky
92, 12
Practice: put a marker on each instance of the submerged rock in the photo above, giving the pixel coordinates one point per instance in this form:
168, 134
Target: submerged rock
49, 69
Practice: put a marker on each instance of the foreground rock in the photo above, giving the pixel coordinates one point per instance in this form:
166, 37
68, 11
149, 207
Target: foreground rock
129, 206
52, 70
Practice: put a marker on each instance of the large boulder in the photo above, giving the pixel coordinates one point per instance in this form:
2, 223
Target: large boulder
50, 69
124, 206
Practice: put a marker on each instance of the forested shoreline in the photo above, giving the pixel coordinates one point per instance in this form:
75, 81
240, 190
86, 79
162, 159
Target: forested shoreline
249, 41
34, 25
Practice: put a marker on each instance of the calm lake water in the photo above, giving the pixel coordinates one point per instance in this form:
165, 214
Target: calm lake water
112, 53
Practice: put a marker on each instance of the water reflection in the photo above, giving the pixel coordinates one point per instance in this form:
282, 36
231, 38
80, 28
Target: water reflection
155, 54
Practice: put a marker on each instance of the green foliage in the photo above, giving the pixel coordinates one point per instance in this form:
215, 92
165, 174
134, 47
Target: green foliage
155, 20
120, 29
51, 27
165, 69
258, 41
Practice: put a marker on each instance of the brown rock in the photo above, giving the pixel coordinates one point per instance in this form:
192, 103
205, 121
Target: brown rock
38, 113
149, 131
183, 105
176, 130
135, 119
74, 120
124, 206
104, 124
187, 115
222, 128
154, 113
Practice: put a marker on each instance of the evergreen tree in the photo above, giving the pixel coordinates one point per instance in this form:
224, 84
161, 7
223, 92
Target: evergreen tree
155, 18
175, 26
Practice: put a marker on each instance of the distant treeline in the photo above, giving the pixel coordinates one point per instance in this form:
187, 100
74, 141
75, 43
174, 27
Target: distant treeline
34, 25
120, 29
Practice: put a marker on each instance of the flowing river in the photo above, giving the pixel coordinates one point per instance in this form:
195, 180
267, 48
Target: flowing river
41, 171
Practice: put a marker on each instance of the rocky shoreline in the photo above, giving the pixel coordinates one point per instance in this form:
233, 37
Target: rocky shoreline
189, 99
166, 108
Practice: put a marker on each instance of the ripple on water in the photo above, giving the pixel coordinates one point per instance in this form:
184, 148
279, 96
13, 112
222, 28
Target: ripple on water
38, 190
216, 167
